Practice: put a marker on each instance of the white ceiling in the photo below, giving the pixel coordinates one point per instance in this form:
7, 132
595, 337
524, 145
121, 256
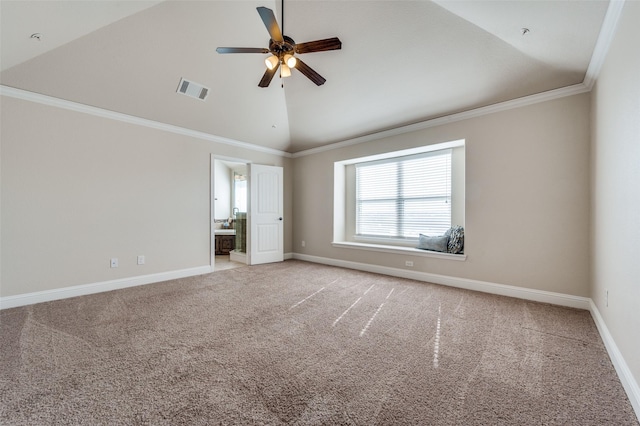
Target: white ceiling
58, 21
401, 62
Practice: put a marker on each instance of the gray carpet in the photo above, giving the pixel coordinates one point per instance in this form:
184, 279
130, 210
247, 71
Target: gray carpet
300, 343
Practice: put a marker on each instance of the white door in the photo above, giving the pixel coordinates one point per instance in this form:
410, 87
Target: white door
266, 239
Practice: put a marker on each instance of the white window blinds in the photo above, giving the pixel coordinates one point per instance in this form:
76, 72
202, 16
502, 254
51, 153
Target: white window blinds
405, 196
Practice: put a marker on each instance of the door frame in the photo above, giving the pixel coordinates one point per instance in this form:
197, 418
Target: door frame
212, 187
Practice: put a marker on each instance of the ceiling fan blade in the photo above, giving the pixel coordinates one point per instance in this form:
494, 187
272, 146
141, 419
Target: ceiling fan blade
242, 50
333, 43
268, 76
310, 73
270, 22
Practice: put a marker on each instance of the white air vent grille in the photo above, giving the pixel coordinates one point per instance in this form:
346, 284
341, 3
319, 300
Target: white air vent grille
192, 89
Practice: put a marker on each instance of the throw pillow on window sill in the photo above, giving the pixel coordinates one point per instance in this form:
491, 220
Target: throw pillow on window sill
439, 243
456, 239
451, 242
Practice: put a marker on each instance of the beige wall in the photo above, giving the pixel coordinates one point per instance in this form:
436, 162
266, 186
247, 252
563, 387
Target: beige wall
615, 183
527, 198
78, 190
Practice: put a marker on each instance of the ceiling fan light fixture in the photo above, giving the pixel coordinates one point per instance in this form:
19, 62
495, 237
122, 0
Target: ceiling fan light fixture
271, 62
290, 60
282, 50
285, 71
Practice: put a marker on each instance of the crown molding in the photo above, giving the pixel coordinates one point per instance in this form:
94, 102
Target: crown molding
607, 32
465, 115
125, 118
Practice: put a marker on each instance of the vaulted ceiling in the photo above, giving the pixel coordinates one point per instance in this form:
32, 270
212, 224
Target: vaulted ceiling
401, 62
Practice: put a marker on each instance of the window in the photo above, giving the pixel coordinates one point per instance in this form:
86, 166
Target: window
402, 197
384, 201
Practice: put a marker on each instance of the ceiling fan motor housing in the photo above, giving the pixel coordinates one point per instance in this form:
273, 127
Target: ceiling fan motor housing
282, 48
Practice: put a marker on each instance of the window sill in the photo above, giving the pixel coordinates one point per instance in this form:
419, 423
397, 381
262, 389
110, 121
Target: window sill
399, 250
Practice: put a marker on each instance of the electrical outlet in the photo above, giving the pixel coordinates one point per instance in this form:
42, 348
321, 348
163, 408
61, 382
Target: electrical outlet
606, 298
140, 260
303, 244
408, 263
114, 262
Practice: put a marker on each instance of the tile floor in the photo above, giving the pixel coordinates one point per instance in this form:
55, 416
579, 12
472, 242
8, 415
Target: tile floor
222, 262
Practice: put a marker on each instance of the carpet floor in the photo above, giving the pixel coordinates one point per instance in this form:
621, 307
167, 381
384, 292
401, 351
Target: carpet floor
301, 343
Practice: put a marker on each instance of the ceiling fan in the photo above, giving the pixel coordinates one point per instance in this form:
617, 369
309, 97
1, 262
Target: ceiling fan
283, 50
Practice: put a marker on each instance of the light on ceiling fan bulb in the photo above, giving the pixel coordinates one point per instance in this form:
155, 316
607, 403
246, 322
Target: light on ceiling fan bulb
271, 62
290, 60
285, 71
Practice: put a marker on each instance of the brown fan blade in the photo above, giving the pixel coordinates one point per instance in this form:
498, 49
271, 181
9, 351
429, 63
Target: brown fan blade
310, 73
333, 43
270, 22
242, 50
268, 76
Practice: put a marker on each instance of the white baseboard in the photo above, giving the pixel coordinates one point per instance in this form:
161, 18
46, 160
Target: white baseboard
465, 283
629, 383
84, 289
626, 378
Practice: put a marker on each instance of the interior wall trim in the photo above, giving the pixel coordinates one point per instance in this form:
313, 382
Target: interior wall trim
452, 118
25, 95
465, 283
607, 32
550, 95
629, 383
624, 373
99, 287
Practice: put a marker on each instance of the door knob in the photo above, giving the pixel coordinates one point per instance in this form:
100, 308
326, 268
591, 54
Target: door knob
279, 218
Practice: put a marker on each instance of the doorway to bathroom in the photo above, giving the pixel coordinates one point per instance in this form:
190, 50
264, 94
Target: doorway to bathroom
247, 220
229, 218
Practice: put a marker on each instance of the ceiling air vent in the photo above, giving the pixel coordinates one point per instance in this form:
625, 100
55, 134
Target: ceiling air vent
192, 89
